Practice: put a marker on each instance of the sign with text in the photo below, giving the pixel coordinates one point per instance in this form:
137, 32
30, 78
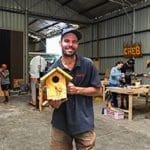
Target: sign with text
132, 50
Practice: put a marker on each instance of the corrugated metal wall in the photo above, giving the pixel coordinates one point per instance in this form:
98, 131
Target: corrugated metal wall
42, 8
14, 15
105, 39
11, 21
15, 22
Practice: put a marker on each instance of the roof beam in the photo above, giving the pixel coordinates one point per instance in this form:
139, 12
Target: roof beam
33, 21
122, 3
66, 2
56, 18
40, 35
33, 5
18, 3
46, 27
93, 7
45, 16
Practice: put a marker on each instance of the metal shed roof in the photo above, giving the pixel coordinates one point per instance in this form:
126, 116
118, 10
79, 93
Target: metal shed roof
94, 10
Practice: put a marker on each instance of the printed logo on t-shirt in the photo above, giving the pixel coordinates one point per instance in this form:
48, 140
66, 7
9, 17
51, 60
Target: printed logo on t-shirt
80, 74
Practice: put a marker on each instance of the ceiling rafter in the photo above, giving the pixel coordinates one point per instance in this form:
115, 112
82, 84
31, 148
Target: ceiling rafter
18, 3
39, 35
33, 21
129, 3
66, 2
34, 4
46, 27
119, 2
93, 7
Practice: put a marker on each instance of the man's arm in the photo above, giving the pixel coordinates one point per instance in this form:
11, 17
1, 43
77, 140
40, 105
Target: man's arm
72, 89
88, 91
147, 75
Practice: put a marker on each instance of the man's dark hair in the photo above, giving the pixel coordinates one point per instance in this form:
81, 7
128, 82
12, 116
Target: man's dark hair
131, 61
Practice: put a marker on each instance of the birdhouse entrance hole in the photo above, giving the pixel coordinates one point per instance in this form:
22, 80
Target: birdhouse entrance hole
55, 79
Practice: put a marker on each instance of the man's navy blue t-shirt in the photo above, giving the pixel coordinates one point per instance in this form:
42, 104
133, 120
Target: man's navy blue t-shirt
76, 114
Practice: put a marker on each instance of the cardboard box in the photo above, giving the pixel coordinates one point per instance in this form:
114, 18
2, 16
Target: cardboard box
17, 83
118, 115
115, 114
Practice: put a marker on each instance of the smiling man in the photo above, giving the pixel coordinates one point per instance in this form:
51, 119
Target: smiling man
74, 118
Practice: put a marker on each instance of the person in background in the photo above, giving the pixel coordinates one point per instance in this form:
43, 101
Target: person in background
148, 66
37, 68
114, 81
147, 75
5, 82
74, 118
128, 70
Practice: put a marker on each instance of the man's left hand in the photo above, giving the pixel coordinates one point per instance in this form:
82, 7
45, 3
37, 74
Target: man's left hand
55, 104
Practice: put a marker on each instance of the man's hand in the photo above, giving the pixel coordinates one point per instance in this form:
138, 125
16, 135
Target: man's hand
72, 89
55, 104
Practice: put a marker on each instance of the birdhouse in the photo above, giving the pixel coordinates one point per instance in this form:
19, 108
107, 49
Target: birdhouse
55, 82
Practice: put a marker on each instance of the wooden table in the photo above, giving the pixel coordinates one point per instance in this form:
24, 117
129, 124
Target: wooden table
130, 91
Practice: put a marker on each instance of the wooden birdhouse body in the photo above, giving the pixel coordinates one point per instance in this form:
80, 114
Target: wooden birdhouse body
56, 84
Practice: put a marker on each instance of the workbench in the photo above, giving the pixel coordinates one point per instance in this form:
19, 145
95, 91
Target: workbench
131, 91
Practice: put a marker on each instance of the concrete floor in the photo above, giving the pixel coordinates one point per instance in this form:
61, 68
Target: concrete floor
22, 127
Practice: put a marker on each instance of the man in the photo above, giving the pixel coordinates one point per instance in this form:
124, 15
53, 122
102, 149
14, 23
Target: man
74, 119
128, 70
37, 66
148, 66
5, 82
147, 76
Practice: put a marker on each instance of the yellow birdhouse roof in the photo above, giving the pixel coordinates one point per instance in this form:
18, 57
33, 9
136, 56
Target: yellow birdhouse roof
59, 70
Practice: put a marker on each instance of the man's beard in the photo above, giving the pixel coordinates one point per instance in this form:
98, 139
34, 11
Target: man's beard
68, 54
